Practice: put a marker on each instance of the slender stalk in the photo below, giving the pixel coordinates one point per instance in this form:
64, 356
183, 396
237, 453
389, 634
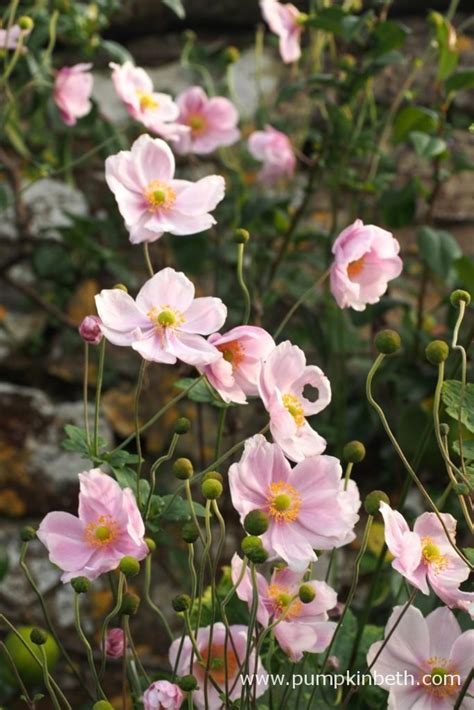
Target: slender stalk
150, 601
242, 284
108, 619
126, 626
298, 303
138, 392
220, 431
154, 469
149, 265
98, 391
87, 646
18, 677
47, 679
85, 394
464, 690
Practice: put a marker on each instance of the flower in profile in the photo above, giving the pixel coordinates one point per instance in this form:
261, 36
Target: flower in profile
10, 37
115, 643
108, 527
431, 650
163, 695
72, 92
272, 148
286, 21
284, 378
426, 556
90, 330
243, 350
305, 627
223, 657
210, 122
307, 506
151, 201
365, 260
166, 322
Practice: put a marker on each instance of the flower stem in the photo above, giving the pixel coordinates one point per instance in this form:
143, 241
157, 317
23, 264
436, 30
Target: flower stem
98, 391
155, 468
138, 392
85, 391
150, 601
242, 284
47, 679
87, 646
149, 265
298, 303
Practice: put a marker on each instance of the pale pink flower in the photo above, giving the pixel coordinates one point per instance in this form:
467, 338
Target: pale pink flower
166, 322
272, 148
72, 92
365, 260
307, 506
236, 373
9, 38
115, 643
90, 330
163, 695
286, 21
210, 122
108, 527
305, 627
149, 198
283, 379
223, 656
429, 658
425, 555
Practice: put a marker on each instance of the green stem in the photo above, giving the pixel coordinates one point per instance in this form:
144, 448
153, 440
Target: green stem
150, 601
18, 677
87, 646
85, 394
149, 265
136, 410
220, 431
98, 391
464, 690
108, 619
47, 680
128, 633
154, 469
298, 303
242, 284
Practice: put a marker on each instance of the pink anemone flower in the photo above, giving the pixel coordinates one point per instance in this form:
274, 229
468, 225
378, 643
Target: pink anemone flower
166, 322
211, 122
286, 21
163, 695
151, 200
365, 260
425, 555
222, 657
10, 37
108, 527
305, 627
72, 92
243, 350
307, 506
424, 662
272, 148
284, 378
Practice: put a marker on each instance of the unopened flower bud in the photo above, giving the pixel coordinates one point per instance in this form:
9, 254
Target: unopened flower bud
253, 549
373, 500
121, 287
354, 452
181, 603
241, 236
387, 342
182, 425
130, 604
151, 544
81, 585
256, 522
215, 475
183, 469
212, 489
444, 429
188, 683
26, 23
129, 566
27, 534
102, 705
232, 54
38, 636
189, 532
90, 330
115, 643
306, 593
460, 295
437, 352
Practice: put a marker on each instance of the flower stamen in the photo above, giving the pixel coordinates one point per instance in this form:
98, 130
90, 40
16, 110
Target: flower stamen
147, 102
101, 532
232, 352
284, 502
355, 267
159, 195
432, 555
293, 405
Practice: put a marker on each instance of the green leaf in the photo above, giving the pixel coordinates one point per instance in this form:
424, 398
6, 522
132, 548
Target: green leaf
398, 205
460, 80
465, 271
370, 635
451, 394
448, 56
414, 118
117, 51
388, 36
16, 139
202, 392
336, 21
469, 552
4, 563
427, 146
180, 510
439, 250
76, 440
177, 7
344, 642
467, 449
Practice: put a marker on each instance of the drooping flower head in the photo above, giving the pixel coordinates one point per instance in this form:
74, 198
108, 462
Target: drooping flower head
166, 322
431, 650
155, 110
283, 379
365, 260
243, 350
163, 695
272, 148
286, 21
10, 37
426, 556
305, 627
222, 657
149, 198
108, 527
307, 506
115, 643
211, 122
72, 92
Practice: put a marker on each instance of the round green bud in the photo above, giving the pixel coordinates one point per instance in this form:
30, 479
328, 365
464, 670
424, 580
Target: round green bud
38, 636
183, 469
26, 23
373, 500
151, 544
27, 534
212, 489
306, 593
241, 236
121, 287
102, 705
256, 522
253, 549
81, 585
444, 429
129, 566
353, 452
387, 342
437, 352
232, 54
214, 475
188, 683
461, 489
182, 602
189, 532
182, 425
459, 295
130, 604
258, 556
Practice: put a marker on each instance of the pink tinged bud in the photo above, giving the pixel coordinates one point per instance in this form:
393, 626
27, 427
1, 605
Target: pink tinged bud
115, 643
72, 92
90, 330
163, 694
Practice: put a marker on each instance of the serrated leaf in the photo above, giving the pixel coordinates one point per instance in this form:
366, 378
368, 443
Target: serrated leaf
439, 250
451, 395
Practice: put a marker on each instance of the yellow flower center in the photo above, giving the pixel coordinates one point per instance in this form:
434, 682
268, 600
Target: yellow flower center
355, 267
101, 532
441, 680
147, 101
293, 405
159, 195
432, 555
166, 318
232, 352
284, 502
197, 124
282, 601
